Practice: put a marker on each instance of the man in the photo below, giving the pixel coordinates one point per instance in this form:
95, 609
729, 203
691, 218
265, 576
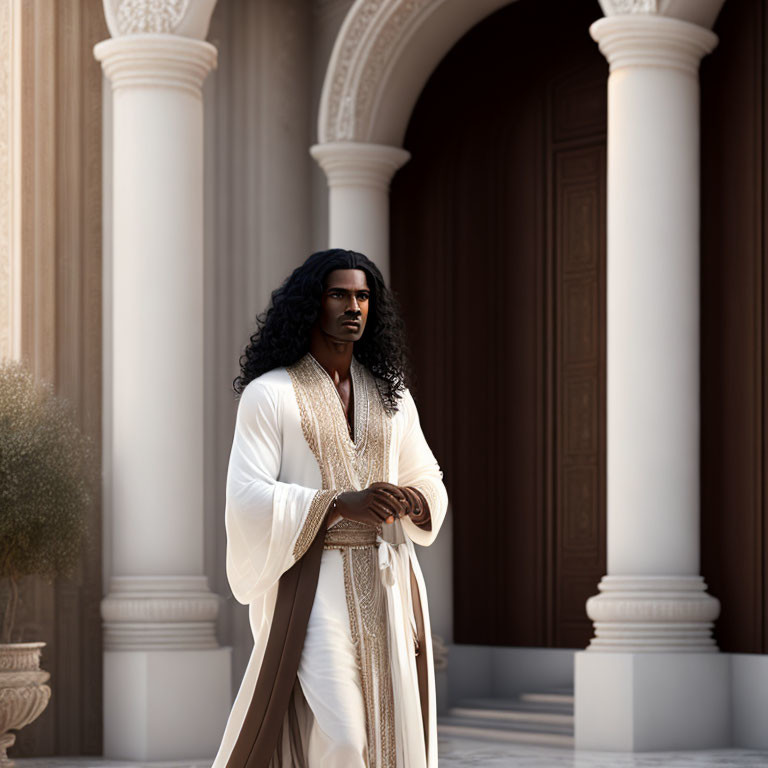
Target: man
330, 483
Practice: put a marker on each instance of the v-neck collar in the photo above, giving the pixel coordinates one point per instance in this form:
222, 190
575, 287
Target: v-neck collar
344, 463
354, 378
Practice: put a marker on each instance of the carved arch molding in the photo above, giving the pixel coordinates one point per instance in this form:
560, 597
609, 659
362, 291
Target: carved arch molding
383, 55
387, 49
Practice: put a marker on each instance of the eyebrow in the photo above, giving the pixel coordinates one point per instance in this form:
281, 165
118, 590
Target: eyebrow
348, 290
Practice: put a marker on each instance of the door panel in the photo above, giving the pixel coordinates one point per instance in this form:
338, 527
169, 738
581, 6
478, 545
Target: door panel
734, 320
498, 257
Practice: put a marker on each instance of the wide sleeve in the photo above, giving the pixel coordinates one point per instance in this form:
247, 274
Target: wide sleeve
418, 468
269, 524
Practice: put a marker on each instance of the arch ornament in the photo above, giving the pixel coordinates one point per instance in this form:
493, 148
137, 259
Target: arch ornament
387, 49
384, 53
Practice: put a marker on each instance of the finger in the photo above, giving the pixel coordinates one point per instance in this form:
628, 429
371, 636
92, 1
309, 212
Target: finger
419, 503
391, 489
397, 501
397, 505
379, 507
413, 499
388, 515
380, 485
386, 500
401, 508
397, 509
381, 510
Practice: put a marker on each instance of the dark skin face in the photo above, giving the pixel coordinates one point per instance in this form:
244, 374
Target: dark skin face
346, 297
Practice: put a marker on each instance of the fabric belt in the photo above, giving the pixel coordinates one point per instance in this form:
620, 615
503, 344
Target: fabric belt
348, 534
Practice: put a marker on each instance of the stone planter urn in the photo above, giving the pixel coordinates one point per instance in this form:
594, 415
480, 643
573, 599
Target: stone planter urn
23, 693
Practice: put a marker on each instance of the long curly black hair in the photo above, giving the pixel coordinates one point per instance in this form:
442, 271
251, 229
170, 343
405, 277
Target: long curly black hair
282, 334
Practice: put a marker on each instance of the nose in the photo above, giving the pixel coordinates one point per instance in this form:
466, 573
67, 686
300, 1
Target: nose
354, 306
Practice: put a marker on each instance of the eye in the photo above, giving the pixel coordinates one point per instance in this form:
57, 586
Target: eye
362, 296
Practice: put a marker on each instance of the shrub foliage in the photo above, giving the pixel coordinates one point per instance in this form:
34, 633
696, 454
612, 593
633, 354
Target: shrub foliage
47, 481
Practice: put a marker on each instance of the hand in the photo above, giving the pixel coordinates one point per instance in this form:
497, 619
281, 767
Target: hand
406, 498
414, 504
380, 503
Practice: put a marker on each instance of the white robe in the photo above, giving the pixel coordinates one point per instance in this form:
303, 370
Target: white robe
291, 452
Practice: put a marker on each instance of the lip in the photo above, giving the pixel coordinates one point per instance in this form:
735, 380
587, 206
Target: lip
351, 323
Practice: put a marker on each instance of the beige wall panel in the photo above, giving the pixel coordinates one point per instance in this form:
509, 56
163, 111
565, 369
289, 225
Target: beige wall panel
59, 326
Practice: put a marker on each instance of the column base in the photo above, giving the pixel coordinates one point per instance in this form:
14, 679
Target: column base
634, 702
655, 614
161, 613
165, 705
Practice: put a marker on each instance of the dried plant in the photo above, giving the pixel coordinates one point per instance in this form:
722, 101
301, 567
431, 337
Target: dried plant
47, 481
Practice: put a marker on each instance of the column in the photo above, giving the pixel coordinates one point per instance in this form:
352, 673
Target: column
652, 678
358, 186
166, 682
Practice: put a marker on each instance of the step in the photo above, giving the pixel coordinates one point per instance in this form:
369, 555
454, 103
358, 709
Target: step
541, 718
505, 734
476, 719
518, 704
504, 714
564, 698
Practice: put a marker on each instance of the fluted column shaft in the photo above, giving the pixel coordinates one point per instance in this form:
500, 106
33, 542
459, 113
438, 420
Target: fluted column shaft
157, 321
653, 596
651, 678
358, 186
166, 681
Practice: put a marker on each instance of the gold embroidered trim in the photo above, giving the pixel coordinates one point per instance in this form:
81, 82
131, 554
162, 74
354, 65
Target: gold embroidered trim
347, 464
344, 464
309, 425
318, 508
350, 533
366, 604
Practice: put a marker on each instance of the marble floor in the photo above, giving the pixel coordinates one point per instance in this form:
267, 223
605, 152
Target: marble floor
466, 752
459, 752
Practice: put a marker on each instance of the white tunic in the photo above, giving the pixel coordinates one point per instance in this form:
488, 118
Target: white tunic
291, 452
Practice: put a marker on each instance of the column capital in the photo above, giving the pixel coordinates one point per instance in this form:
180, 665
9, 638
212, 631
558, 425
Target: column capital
701, 12
648, 40
189, 18
156, 59
351, 163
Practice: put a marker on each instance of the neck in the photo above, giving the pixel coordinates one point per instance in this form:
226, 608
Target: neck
335, 356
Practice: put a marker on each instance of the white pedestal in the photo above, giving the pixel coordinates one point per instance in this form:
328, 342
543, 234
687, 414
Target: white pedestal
156, 701
749, 692
633, 702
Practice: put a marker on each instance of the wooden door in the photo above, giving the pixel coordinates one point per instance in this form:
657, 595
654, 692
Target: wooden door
734, 326
498, 257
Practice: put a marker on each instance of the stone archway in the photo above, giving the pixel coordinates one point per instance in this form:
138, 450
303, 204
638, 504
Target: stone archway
383, 55
653, 603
